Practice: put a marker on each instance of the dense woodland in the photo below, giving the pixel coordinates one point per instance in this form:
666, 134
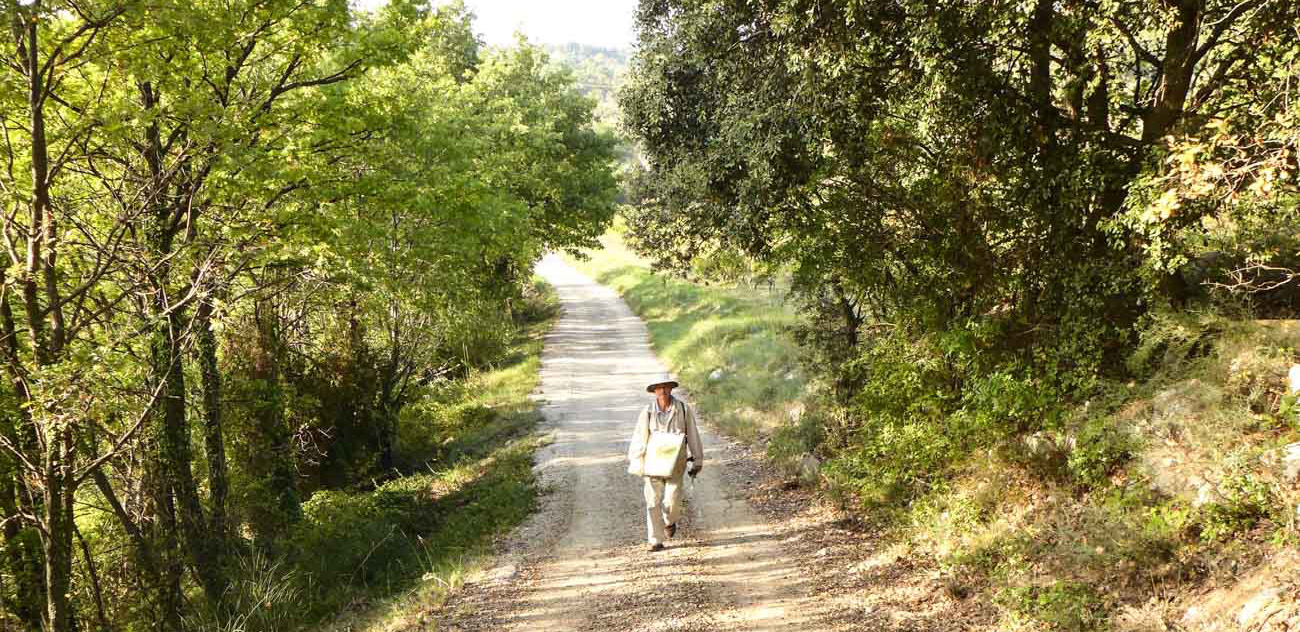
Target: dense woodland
985, 206
243, 240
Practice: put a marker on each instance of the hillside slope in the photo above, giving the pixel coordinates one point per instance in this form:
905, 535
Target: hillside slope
1167, 502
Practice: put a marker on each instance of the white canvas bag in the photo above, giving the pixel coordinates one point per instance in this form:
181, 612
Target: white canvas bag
663, 450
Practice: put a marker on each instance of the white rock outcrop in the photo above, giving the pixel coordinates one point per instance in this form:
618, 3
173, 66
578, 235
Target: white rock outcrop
1260, 603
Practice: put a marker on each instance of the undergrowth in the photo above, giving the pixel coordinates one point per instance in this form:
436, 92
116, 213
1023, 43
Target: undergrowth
1068, 511
371, 559
1141, 493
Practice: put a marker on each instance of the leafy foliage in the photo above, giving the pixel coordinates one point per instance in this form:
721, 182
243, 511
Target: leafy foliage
963, 193
245, 239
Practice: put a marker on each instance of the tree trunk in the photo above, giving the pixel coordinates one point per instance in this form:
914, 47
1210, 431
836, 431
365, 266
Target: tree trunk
214, 443
166, 593
1040, 73
40, 202
22, 552
57, 543
96, 588
852, 321
176, 492
1176, 76
177, 454
388, 387
277, 464
22, 545
56, 458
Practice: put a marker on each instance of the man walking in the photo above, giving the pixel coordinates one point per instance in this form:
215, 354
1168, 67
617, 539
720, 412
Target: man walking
665, 432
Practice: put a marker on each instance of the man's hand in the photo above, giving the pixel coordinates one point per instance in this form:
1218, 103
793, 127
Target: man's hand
695, 468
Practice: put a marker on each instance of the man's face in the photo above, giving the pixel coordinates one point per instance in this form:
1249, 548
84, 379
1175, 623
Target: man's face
663, 390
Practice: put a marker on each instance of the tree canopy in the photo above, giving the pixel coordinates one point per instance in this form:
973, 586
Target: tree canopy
980, 202
243, 238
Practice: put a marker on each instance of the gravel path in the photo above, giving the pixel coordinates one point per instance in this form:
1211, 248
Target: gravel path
580, 563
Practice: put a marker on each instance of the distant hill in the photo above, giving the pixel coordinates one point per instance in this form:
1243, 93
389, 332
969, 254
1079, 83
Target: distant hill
600, 73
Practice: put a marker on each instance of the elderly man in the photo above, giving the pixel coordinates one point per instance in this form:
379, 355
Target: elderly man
664, 423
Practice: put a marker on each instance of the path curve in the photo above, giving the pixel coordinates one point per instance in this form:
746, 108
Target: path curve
580, 563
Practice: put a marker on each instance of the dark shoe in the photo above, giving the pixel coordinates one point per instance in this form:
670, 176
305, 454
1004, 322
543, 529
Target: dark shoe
671, 529
656, 547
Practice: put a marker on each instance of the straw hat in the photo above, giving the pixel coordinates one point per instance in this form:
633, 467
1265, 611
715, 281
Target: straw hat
662, 379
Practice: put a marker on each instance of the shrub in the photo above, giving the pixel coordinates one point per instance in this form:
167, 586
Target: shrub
1067, 606
540, 303
1170, 339
920, 407
1289, 411
1100, 447
346, 539
1246, 499
791, 442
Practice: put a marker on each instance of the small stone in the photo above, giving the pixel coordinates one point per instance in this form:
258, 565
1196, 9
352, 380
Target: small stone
1291, 462
1294, 378
715, 375
822, 552
1205, 494
809, 468
1039, 445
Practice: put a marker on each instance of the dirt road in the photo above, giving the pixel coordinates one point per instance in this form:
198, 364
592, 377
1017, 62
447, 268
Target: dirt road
581, 563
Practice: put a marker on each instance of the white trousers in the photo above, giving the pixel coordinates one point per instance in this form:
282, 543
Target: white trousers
663, 501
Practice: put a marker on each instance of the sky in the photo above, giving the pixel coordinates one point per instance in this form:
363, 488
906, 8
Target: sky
604, 23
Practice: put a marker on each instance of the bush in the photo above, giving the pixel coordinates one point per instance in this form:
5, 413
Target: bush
791, 442
918, 408
1169, 340
1067, 606
1289, 411
540, 303
1100, 447
436, 429
348, 539
1246, 500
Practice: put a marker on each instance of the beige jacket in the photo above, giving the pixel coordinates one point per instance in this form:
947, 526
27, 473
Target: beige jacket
672, 421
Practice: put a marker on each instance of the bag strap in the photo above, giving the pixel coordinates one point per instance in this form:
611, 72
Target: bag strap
678, 405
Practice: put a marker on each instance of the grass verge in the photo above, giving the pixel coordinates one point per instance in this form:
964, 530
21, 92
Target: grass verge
383, 560
730, 346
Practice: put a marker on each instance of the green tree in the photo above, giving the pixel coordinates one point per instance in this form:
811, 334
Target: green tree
243, 238
950, 177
